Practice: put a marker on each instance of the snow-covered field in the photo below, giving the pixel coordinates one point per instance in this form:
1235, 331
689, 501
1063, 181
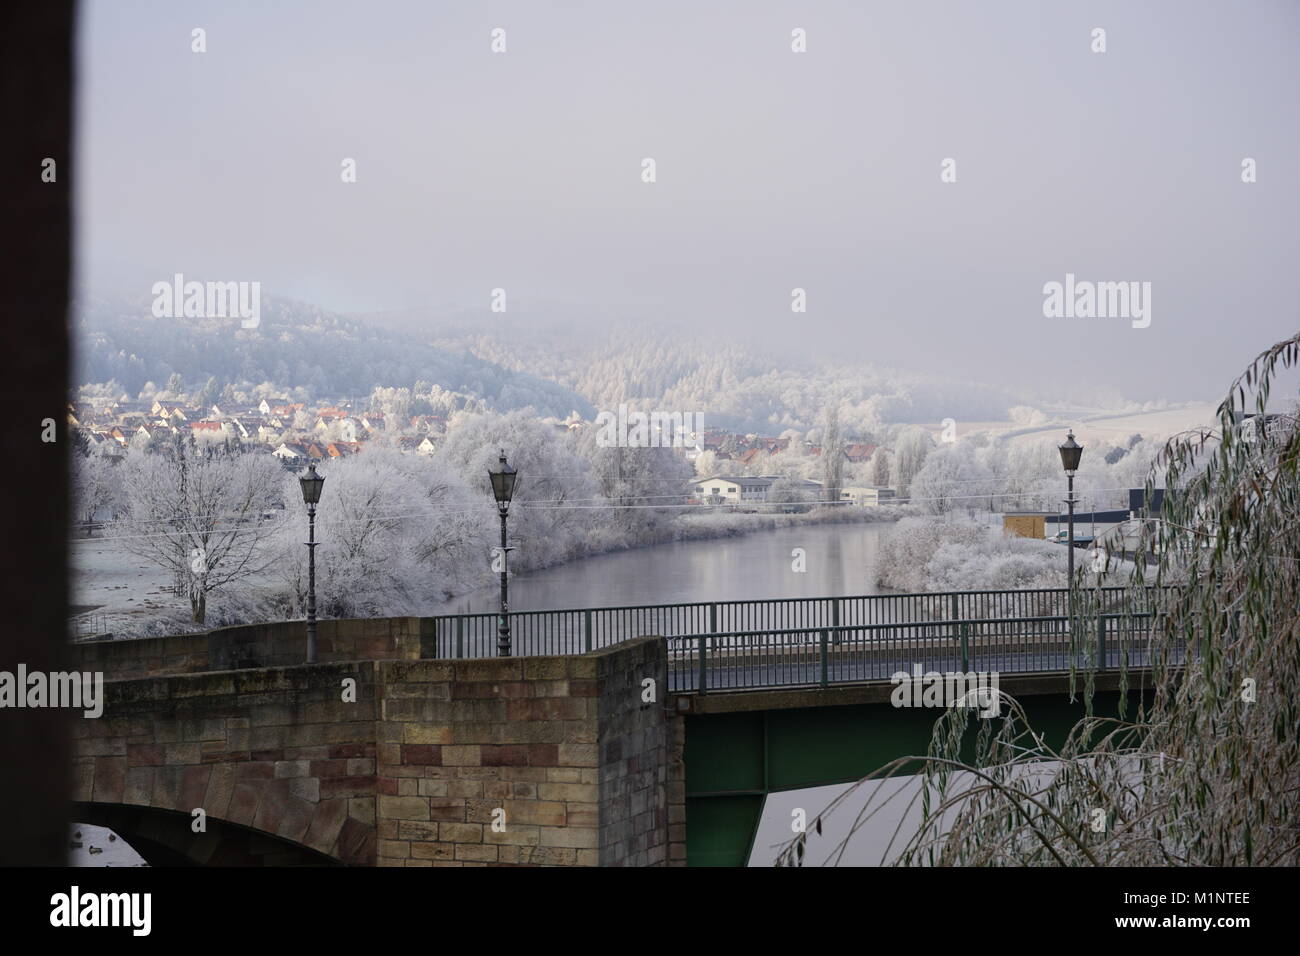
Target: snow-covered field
117, 592
115, 586
1096, 426
1159, 424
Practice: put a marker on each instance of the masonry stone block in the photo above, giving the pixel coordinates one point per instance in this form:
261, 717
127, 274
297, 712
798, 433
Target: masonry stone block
412, 772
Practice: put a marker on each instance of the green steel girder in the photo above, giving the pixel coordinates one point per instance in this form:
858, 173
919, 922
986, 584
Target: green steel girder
733, 760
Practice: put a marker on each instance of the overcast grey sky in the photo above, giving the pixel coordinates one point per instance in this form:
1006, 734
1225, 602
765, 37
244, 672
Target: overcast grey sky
775, 169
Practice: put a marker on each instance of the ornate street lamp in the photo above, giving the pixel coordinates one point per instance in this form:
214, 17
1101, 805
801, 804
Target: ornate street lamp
504, 483
1071, 452
312, 484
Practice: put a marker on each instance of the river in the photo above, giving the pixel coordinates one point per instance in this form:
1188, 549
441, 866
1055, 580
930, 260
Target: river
837, 559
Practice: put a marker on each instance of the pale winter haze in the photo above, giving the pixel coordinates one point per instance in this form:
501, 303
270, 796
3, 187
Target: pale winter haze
775, 171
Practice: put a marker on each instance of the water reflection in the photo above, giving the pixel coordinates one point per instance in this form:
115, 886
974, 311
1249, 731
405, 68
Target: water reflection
839, 559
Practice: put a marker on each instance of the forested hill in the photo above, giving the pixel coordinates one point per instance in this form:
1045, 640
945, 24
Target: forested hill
295, 345
733, 380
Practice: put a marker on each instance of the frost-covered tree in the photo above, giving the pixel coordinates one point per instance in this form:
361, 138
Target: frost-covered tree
199, 514
1026, 415
832, 454
398, 533
394, 403
706, 464
790, 495
208, 395
956, 554
909, 456
96, 486
880, 467
643, 490
951, 478
555, 498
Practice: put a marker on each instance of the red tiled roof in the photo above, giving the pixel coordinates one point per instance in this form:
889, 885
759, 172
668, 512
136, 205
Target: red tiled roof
859, 452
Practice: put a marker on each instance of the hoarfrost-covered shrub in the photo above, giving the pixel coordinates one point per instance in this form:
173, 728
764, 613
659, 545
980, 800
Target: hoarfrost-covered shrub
956, 554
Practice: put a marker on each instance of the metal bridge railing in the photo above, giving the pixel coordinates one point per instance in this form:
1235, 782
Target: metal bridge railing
823, 656
579, 630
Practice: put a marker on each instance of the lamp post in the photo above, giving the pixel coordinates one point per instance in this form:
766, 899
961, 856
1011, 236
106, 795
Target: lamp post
1071, 452
312, 484
504, 483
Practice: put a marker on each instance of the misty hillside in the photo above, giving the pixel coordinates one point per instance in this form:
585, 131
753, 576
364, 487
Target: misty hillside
295, 346
554, 363
734, 381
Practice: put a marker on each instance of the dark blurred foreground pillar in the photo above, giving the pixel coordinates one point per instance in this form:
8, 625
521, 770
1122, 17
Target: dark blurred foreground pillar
36, 45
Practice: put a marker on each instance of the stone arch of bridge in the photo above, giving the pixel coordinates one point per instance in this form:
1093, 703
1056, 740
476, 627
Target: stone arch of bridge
166, 838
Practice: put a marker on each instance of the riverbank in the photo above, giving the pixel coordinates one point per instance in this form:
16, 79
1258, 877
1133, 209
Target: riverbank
125, 596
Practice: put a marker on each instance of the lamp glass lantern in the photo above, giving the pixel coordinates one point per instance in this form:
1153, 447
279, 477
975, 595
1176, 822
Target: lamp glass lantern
312, 484
1071, 452
504, 483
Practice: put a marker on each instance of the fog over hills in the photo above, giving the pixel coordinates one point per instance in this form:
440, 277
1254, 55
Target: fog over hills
555, 361
296, 346
735, 380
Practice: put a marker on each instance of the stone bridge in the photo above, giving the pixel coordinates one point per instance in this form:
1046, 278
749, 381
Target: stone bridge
387, 754
375, 756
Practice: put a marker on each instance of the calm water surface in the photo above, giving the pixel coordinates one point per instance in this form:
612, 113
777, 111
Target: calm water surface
839, 559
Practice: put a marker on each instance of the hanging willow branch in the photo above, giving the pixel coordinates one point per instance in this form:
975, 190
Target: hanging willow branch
1207, 772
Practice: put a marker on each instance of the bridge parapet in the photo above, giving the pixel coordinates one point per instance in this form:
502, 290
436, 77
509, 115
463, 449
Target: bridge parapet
276, 644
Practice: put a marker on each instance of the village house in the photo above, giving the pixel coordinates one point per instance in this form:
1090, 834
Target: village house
100, 443
268, 406
433, 424
722, 489
342, 449
254, 429
180, 415
210, 429
295, 453
859, 452
148, 432
747, 489
348, 429
869, 496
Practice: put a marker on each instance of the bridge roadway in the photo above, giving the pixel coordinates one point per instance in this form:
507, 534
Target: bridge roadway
773, 658
806, 670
